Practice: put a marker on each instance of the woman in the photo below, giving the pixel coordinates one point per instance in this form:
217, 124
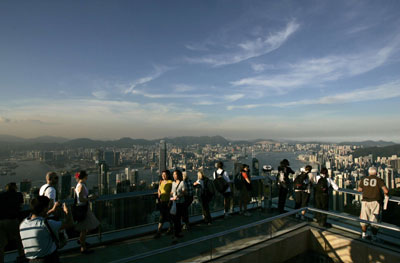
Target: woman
90, 222
164, 192
245, 189
205, 197
283, 183
178, 196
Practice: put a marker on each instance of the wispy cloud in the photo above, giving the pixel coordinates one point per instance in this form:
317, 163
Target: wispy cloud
321, 70
100, 94
4, 120
158, 71
380, 92
249, 48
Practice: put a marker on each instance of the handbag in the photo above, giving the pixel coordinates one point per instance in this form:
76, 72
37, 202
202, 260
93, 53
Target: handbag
172, 211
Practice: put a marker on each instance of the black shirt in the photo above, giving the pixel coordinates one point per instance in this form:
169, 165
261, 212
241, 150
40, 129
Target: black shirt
10, 205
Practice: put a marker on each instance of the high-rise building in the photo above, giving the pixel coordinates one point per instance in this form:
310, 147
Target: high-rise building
65, 186
117, 156
163, 156
255, 167
103, 178
109, 158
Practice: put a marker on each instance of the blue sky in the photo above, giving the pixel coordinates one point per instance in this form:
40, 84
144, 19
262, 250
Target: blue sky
325, 70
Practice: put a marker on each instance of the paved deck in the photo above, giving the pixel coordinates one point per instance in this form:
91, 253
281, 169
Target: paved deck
123, 249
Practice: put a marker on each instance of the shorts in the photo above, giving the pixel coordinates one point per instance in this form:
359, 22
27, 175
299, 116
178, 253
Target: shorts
370, 211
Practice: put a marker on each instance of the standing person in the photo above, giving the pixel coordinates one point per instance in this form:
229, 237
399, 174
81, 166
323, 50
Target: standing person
164, 193
371, 188
38, 234
302, 189
10, 206
206, 194
89, 221
178, 196
49, 190
283, 183
245, 190
219, 174
323, 183
188, 199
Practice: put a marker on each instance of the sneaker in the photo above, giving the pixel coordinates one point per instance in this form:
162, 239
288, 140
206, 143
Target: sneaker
169, 231
186, 227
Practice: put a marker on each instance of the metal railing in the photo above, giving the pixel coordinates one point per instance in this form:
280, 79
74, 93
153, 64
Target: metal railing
248, 226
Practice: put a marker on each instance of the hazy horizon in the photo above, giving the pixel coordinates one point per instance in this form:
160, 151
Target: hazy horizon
309, 71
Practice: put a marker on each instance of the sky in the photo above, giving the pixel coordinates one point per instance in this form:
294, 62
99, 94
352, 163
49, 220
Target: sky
303, 70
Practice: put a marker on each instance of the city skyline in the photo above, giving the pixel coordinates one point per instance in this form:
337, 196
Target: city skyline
319, 70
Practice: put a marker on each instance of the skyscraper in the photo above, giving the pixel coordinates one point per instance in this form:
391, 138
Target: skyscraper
163, 156
65, 187
102, 178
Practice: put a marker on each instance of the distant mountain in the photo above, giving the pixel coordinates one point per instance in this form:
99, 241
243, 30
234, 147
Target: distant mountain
386, 151
369, 143
202, 140
48, 139
41, 139
10, 138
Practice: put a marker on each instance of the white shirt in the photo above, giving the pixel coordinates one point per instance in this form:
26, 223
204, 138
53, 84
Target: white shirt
225, 176
330, 182
36, 238
50, 192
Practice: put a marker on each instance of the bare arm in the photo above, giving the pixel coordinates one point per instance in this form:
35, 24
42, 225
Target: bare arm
385, 190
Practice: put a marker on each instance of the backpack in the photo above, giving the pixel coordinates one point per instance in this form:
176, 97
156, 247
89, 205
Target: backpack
219, 182
299, 183
238, 181
322, 185
209, 190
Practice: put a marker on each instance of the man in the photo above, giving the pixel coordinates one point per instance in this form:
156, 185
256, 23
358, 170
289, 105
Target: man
49, 190
302, 190
38, 241
188, 199
371, 187
221, 173
323, 183
283, 183
10, 205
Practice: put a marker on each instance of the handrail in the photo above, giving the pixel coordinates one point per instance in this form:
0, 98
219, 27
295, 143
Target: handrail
209, 237
270, 219
352, 218
395, 199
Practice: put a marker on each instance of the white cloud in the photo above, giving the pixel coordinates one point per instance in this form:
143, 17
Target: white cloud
159, 70
100, 94
183, 88
250, 48
321, 70
233, 97
4, 120
380, 92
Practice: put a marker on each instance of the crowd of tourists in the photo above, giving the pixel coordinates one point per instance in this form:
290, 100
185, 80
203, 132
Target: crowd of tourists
39, 236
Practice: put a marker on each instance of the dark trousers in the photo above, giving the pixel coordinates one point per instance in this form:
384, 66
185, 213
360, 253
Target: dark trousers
205, 205
282, 199
321, 202
177, 218
185, 212
301, 198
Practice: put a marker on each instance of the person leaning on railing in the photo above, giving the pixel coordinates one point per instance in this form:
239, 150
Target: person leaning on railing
164, 192
323, 183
